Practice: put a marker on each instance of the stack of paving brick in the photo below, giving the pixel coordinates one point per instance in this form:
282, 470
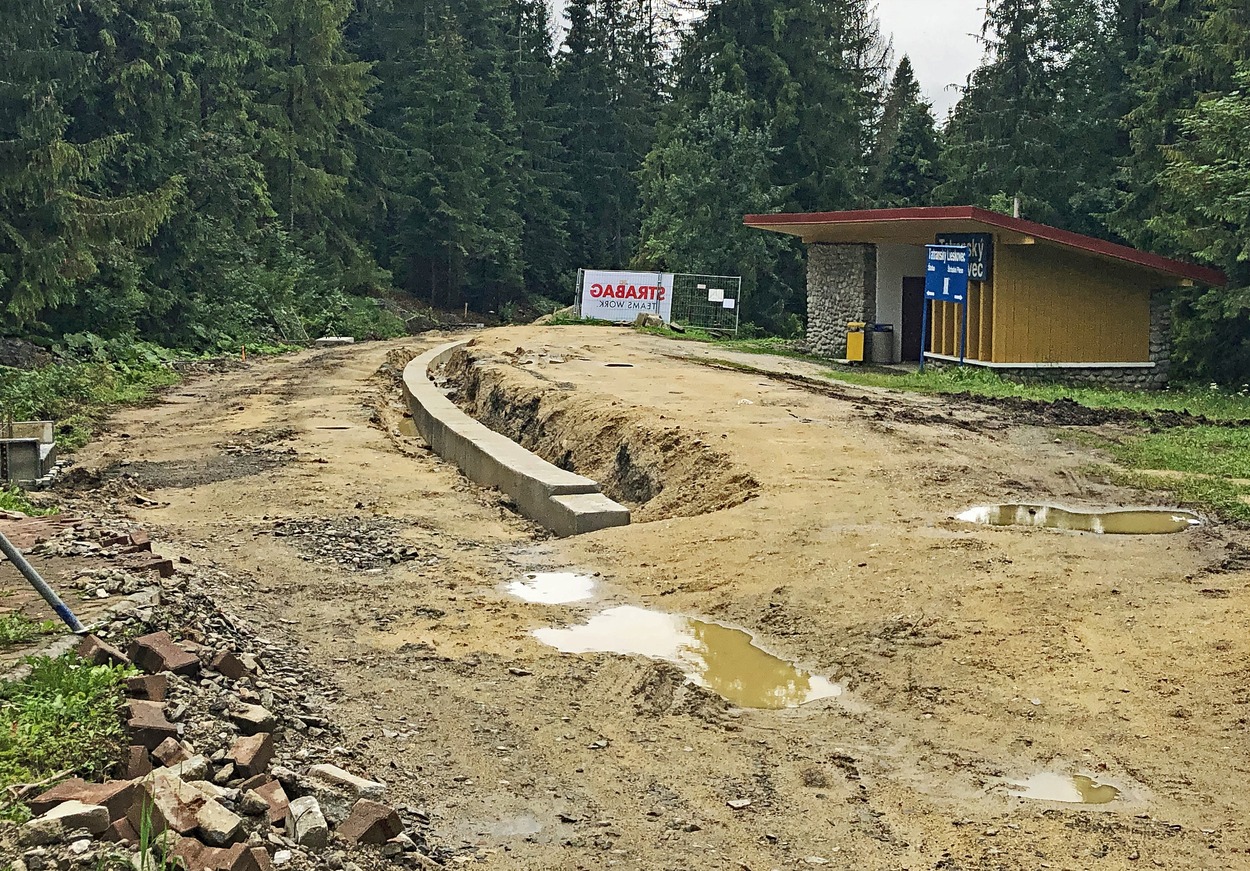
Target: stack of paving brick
227, 812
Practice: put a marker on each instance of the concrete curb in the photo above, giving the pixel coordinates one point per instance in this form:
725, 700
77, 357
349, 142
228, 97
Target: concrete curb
565, 503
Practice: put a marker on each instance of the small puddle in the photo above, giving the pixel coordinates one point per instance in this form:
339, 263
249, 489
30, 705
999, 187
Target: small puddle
717, 657
408, 427
553, 588
1156, 521
1072, 789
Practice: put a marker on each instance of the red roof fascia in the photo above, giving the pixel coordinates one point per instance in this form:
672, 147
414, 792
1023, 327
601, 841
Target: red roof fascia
1089, 244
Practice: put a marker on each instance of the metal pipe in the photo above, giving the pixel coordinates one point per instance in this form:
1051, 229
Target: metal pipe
49, 595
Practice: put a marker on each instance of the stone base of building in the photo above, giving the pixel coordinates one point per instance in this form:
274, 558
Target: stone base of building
1112, 377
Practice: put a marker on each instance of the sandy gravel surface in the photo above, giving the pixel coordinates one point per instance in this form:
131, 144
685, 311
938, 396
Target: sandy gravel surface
969, 659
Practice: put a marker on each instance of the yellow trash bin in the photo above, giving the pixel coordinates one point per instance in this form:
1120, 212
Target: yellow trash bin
855, 342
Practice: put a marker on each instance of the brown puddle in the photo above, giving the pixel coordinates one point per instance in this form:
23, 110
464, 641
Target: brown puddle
720, 658
408, 427
1157, 521
1071, 789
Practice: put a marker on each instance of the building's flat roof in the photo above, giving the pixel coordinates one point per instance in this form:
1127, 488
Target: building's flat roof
918, 226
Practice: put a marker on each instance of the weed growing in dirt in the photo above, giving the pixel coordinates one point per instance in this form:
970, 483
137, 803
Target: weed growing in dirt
560, 319
60, 720
14, 499
17, 628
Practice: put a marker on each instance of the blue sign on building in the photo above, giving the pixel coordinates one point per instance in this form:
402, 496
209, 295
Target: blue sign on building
946, 280
946, 276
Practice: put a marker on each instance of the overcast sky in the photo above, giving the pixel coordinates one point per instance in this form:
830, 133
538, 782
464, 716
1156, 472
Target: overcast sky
940, 38
938, 35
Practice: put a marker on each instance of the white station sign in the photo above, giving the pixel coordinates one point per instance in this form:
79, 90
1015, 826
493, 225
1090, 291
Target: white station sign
622, 296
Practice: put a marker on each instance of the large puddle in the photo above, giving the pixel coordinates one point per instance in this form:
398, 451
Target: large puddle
1138, 522
553, 588
723, 659
1071, 789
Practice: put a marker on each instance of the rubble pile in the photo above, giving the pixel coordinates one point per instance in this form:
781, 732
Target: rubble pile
233, 763
355, 543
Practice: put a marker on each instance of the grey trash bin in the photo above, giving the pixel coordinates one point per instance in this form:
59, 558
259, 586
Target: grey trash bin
882, 343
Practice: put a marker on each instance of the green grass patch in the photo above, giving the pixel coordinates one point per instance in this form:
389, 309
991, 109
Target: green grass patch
17, 628
1222, 452
15, 499
1216, 496
62, 717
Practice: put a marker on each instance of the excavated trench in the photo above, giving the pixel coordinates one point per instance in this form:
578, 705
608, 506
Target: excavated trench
659, 472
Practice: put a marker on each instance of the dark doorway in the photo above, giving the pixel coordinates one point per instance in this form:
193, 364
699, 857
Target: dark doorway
913, 314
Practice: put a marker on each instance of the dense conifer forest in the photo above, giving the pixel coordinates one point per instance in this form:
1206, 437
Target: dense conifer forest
204, 172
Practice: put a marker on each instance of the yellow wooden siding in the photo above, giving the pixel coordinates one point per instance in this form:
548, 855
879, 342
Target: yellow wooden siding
1055, 306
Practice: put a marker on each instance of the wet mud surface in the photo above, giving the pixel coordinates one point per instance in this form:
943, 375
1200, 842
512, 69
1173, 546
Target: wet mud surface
969, 658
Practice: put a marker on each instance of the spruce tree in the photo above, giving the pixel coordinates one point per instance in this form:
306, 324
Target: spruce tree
906, 157
704, 174
59, 216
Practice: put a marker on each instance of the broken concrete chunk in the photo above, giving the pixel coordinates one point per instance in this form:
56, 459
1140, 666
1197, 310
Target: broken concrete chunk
274, 796
337, 777
138, 764
157, 652
195, 768
252, 804
147, 723
150, 687
115, 796
226, 663
195, 856
66, 817
306, 824
171, 752
371, 822
121, 832
254, 718
169, 803
99, 652
251, 754
218, 826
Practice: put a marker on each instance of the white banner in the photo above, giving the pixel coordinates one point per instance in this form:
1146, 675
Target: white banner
622, 296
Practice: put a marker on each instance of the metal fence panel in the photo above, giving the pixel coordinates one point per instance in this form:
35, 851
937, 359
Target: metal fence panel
708, 302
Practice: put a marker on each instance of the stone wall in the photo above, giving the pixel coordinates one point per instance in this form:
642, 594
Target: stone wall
1161, 336
1117, 378
841, 287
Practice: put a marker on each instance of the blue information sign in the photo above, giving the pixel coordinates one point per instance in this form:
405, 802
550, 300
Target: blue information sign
946, 280
946, 276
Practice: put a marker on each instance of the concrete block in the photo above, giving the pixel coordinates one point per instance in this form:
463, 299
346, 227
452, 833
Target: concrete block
251, 754
493, 460
157, 652
99, 652
575, 515
346, 781
371, 822
306, 824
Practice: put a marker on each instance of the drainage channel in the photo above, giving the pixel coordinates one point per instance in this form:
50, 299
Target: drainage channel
1146, 521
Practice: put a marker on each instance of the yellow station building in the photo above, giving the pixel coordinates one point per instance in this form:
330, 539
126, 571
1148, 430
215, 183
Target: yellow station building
1048, 302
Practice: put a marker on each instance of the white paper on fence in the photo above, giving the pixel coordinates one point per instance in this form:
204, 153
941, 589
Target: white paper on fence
622, 296
716, 294
730, 303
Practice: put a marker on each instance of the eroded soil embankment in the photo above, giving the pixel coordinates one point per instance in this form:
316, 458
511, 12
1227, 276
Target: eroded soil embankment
658, 471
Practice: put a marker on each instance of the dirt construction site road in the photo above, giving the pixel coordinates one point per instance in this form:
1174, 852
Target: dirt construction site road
951, 667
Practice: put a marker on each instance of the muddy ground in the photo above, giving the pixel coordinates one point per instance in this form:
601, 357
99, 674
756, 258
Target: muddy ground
819, 520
